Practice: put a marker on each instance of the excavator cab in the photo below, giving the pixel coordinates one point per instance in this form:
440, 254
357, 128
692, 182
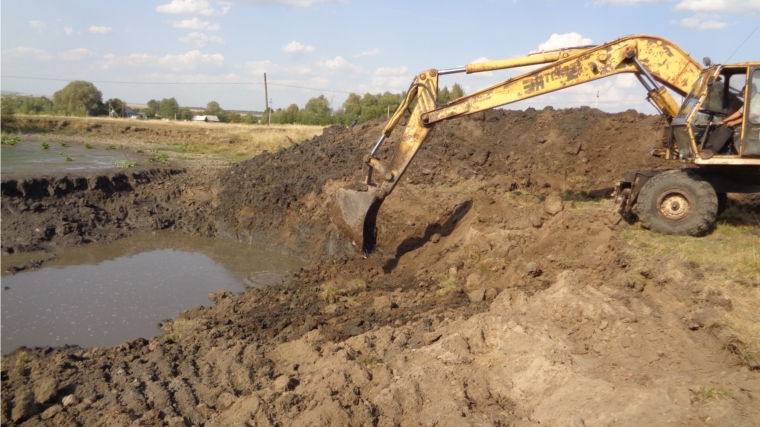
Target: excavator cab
716, 94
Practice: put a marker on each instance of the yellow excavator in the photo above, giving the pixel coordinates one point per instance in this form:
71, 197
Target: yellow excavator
682, 201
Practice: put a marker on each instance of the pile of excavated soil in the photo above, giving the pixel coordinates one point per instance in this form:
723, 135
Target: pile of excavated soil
491, 301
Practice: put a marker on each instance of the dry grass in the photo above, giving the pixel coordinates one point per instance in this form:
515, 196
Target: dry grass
447, 286
729, 260
219, 141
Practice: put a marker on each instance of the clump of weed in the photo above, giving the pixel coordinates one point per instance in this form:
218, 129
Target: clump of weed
6, 139
369, 360
713, 392
126, 163
63, 144
68, 159
88, 146
111, 147
163, 158
447, 286
23, 357
45, 145
357, 286
330, 293
138, 151
175, 329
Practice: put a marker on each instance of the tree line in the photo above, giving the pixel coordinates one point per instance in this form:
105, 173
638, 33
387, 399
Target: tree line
81, 98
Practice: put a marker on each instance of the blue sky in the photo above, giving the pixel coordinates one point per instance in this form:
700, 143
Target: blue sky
338, 46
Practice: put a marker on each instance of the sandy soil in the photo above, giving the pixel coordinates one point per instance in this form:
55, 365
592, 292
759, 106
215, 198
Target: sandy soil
493, 301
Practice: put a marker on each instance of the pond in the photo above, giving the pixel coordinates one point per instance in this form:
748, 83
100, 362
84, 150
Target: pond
104, 294
29, 157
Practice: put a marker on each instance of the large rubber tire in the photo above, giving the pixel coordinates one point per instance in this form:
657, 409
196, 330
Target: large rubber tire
677, 202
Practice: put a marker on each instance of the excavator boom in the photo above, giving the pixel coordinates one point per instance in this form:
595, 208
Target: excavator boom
658, 63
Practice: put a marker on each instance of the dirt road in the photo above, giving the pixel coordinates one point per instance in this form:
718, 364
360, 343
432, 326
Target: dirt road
493, 300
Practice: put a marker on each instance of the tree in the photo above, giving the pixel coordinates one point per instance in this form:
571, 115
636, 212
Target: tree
213, 108
36, 105
352, 107
444, 96
78, 96
185, 114
117, 106
456, 91
9, 106
168, 108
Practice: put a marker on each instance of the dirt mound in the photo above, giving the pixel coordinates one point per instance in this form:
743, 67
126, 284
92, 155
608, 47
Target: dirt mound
576, 151
491, 300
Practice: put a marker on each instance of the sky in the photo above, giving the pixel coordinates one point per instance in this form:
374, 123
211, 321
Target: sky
199, 51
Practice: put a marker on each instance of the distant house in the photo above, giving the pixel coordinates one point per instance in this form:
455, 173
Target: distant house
210, 119
134, 115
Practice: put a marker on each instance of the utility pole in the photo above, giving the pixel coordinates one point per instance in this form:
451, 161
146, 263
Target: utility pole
266, 96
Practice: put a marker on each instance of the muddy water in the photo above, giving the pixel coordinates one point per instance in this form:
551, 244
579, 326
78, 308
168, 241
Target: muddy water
28, 156
105, 294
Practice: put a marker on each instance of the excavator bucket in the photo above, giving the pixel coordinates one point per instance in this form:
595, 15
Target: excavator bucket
355, 215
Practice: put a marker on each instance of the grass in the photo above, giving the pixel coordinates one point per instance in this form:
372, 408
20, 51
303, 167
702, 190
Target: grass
126, 163
63, 144
447, 286
182, 137
45, 145
163, 158
179, 327
728, 259
369, 360
330, 293
68, 159
6, 139
88, 146
712, 392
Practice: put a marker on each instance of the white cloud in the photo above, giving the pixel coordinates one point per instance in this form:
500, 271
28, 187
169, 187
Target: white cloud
37, 25
338, 64
196, 24
560, 41
74, 54
200, 40
388, 79
390, 71
43, 55
734, 6
22, 51
68, 30
700, 21
297, 48
100, 30
191, 7
187, 61
373, 52
288, 3
260, 67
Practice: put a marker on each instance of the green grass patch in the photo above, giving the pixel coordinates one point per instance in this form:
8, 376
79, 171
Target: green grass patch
728, 252
126, 163
45, 145
6, 139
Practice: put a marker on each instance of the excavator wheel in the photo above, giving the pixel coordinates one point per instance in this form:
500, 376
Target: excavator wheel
677, 202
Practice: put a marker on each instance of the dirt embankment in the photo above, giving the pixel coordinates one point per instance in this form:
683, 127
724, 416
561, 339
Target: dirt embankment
491, 301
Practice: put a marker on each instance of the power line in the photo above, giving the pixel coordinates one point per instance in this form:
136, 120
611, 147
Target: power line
179, 83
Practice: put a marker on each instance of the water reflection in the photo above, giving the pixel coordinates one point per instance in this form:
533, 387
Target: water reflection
105, 294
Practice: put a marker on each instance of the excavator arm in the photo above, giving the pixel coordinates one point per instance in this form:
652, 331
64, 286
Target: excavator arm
658, 64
